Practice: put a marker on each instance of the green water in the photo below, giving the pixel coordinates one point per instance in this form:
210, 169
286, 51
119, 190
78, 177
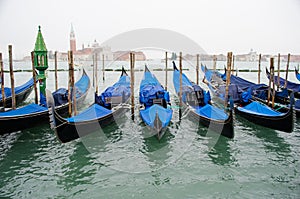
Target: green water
122, 161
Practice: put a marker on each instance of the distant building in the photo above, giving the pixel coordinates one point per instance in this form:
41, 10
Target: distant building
72, 40
87, 54
124, 56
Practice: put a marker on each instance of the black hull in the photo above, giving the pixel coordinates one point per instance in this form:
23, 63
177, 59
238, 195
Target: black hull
20, 97
282, 123
18, 123
68, 131
224, 128
11, 124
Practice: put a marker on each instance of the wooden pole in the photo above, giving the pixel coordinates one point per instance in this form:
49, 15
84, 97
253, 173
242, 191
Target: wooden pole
103, 67
180, 84
287, 70
232, 70
215, 62
271, 79
273, 74
12, 79
278, 72
228, 73
166, 63
36, 99
259, 61
132, 57
2, 81
96, 72
197, 70
55, 75
71, 89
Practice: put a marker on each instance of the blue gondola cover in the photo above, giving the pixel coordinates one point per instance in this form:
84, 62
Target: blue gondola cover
259, 109
121, 88
93, 112
148, 115
18, 89
28, 109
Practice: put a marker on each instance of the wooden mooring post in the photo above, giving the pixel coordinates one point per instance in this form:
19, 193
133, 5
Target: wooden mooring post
214, 62
166, 64
71, 87
103, 67
55, 72
2, 81
96, 72
132, 59
278, 72
271, 80
36, 98
287, 70
197, 69
228, 74
12, 79
259, 61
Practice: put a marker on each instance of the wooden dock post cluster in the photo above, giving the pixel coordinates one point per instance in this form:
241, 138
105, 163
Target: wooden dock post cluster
132, 60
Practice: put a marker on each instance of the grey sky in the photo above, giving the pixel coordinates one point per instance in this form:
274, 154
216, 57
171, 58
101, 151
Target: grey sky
218, 26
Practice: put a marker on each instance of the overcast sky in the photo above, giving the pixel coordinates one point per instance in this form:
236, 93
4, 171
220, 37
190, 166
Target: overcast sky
218, 26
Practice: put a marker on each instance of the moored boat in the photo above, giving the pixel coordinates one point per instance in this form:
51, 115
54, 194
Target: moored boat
21, 93
109, 106
199, 106
154, 99
33, 114
247, 106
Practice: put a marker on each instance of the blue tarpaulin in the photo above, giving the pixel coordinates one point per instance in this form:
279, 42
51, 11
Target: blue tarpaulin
121, 88
28, 109
93, 112
259, 109
148, 115
211, 112
18, 89
290, 85
150, 89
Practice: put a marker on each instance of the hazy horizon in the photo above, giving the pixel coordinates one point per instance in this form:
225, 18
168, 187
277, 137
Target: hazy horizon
267, 27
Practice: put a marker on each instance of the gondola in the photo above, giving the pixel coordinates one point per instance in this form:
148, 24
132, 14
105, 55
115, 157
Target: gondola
21, 92
154, 100
297, 74
291, 86
33, 114
110, 105
250, 109
198, 104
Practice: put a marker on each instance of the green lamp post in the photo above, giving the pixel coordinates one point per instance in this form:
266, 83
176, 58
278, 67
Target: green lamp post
41, 64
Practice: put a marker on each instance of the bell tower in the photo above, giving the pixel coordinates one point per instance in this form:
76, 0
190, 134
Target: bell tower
72, 40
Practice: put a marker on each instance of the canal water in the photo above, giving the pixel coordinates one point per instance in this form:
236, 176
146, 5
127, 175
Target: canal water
123, 161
